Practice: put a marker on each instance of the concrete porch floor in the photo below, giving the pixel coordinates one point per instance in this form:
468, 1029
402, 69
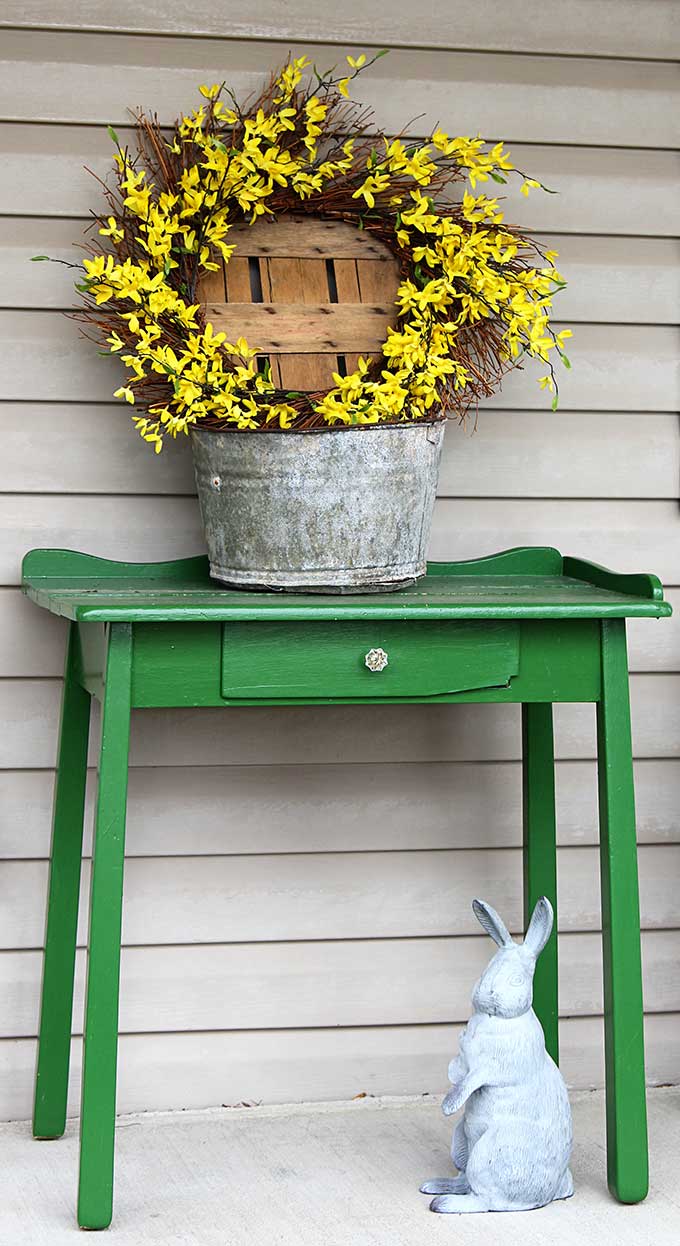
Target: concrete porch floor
338, 1174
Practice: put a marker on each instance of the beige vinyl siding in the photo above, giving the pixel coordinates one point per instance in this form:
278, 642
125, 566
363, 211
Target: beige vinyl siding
541, 99
576, 454
297, 916
318, 984
336, 895
645, 29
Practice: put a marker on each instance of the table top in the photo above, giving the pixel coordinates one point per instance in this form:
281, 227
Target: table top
527, 583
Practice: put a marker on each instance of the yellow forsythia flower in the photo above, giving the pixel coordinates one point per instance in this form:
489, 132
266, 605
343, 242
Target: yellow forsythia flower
459, 269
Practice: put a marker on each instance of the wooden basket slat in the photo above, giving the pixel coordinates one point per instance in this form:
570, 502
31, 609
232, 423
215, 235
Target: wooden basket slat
266, 287
304, 329
213, 288
378, 281
236, 281
347, 286
307, 237
347, 281
295, 282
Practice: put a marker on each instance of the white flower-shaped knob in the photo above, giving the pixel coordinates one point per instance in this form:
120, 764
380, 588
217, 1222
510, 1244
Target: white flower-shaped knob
376, 660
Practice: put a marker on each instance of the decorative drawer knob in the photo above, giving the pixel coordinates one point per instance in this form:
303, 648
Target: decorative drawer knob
376, 659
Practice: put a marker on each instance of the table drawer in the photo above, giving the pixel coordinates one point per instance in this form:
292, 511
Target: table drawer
271, 661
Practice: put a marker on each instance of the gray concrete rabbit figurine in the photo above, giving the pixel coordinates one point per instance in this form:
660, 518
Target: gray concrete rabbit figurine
513, 1143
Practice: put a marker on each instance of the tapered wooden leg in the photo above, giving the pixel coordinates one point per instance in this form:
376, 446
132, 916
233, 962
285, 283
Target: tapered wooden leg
56, 1006
540, 855
98, 1107
627, 1168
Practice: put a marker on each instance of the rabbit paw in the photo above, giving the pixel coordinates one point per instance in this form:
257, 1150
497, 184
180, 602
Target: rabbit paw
458, 1204
446, 1185
454, 1099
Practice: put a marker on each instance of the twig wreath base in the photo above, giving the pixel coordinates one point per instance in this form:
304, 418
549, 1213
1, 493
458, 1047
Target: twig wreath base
474, 297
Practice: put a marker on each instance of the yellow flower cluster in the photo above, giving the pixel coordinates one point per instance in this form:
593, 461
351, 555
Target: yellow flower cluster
461, 271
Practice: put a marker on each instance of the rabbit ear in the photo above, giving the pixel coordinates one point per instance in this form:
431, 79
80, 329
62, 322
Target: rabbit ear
539, 928
492, 923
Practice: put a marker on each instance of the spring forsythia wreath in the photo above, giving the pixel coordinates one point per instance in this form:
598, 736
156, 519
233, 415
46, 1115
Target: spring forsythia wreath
474, 295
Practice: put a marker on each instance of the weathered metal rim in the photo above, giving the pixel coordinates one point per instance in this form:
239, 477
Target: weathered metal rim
356, 580
314, 432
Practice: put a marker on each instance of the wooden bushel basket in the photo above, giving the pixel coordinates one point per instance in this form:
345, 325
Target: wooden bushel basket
314, 294
325, 510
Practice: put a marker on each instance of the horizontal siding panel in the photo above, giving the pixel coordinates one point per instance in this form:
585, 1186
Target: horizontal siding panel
25, 284
105, 455
593, 185
542, 99
384, 895
538, 454
277, 1066
639, 28
611, 280
601, 191
617, 280
70, 367
626, 535
615, 367
29, 637
343, 807
127, 528
256, 735
656, 648
294, 986
517, 454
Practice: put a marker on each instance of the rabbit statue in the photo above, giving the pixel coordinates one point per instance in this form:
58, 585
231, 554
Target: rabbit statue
513, 1143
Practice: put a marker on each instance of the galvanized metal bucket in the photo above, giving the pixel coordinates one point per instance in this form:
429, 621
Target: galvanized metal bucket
328, 511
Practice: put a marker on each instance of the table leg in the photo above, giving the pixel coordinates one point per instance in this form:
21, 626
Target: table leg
56, 1005
623, 1011
98, 1106
540, 855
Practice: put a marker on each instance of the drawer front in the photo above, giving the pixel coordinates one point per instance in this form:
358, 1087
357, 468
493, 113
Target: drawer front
375, 660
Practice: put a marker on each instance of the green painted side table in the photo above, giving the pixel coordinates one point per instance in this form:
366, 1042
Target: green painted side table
527, 626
